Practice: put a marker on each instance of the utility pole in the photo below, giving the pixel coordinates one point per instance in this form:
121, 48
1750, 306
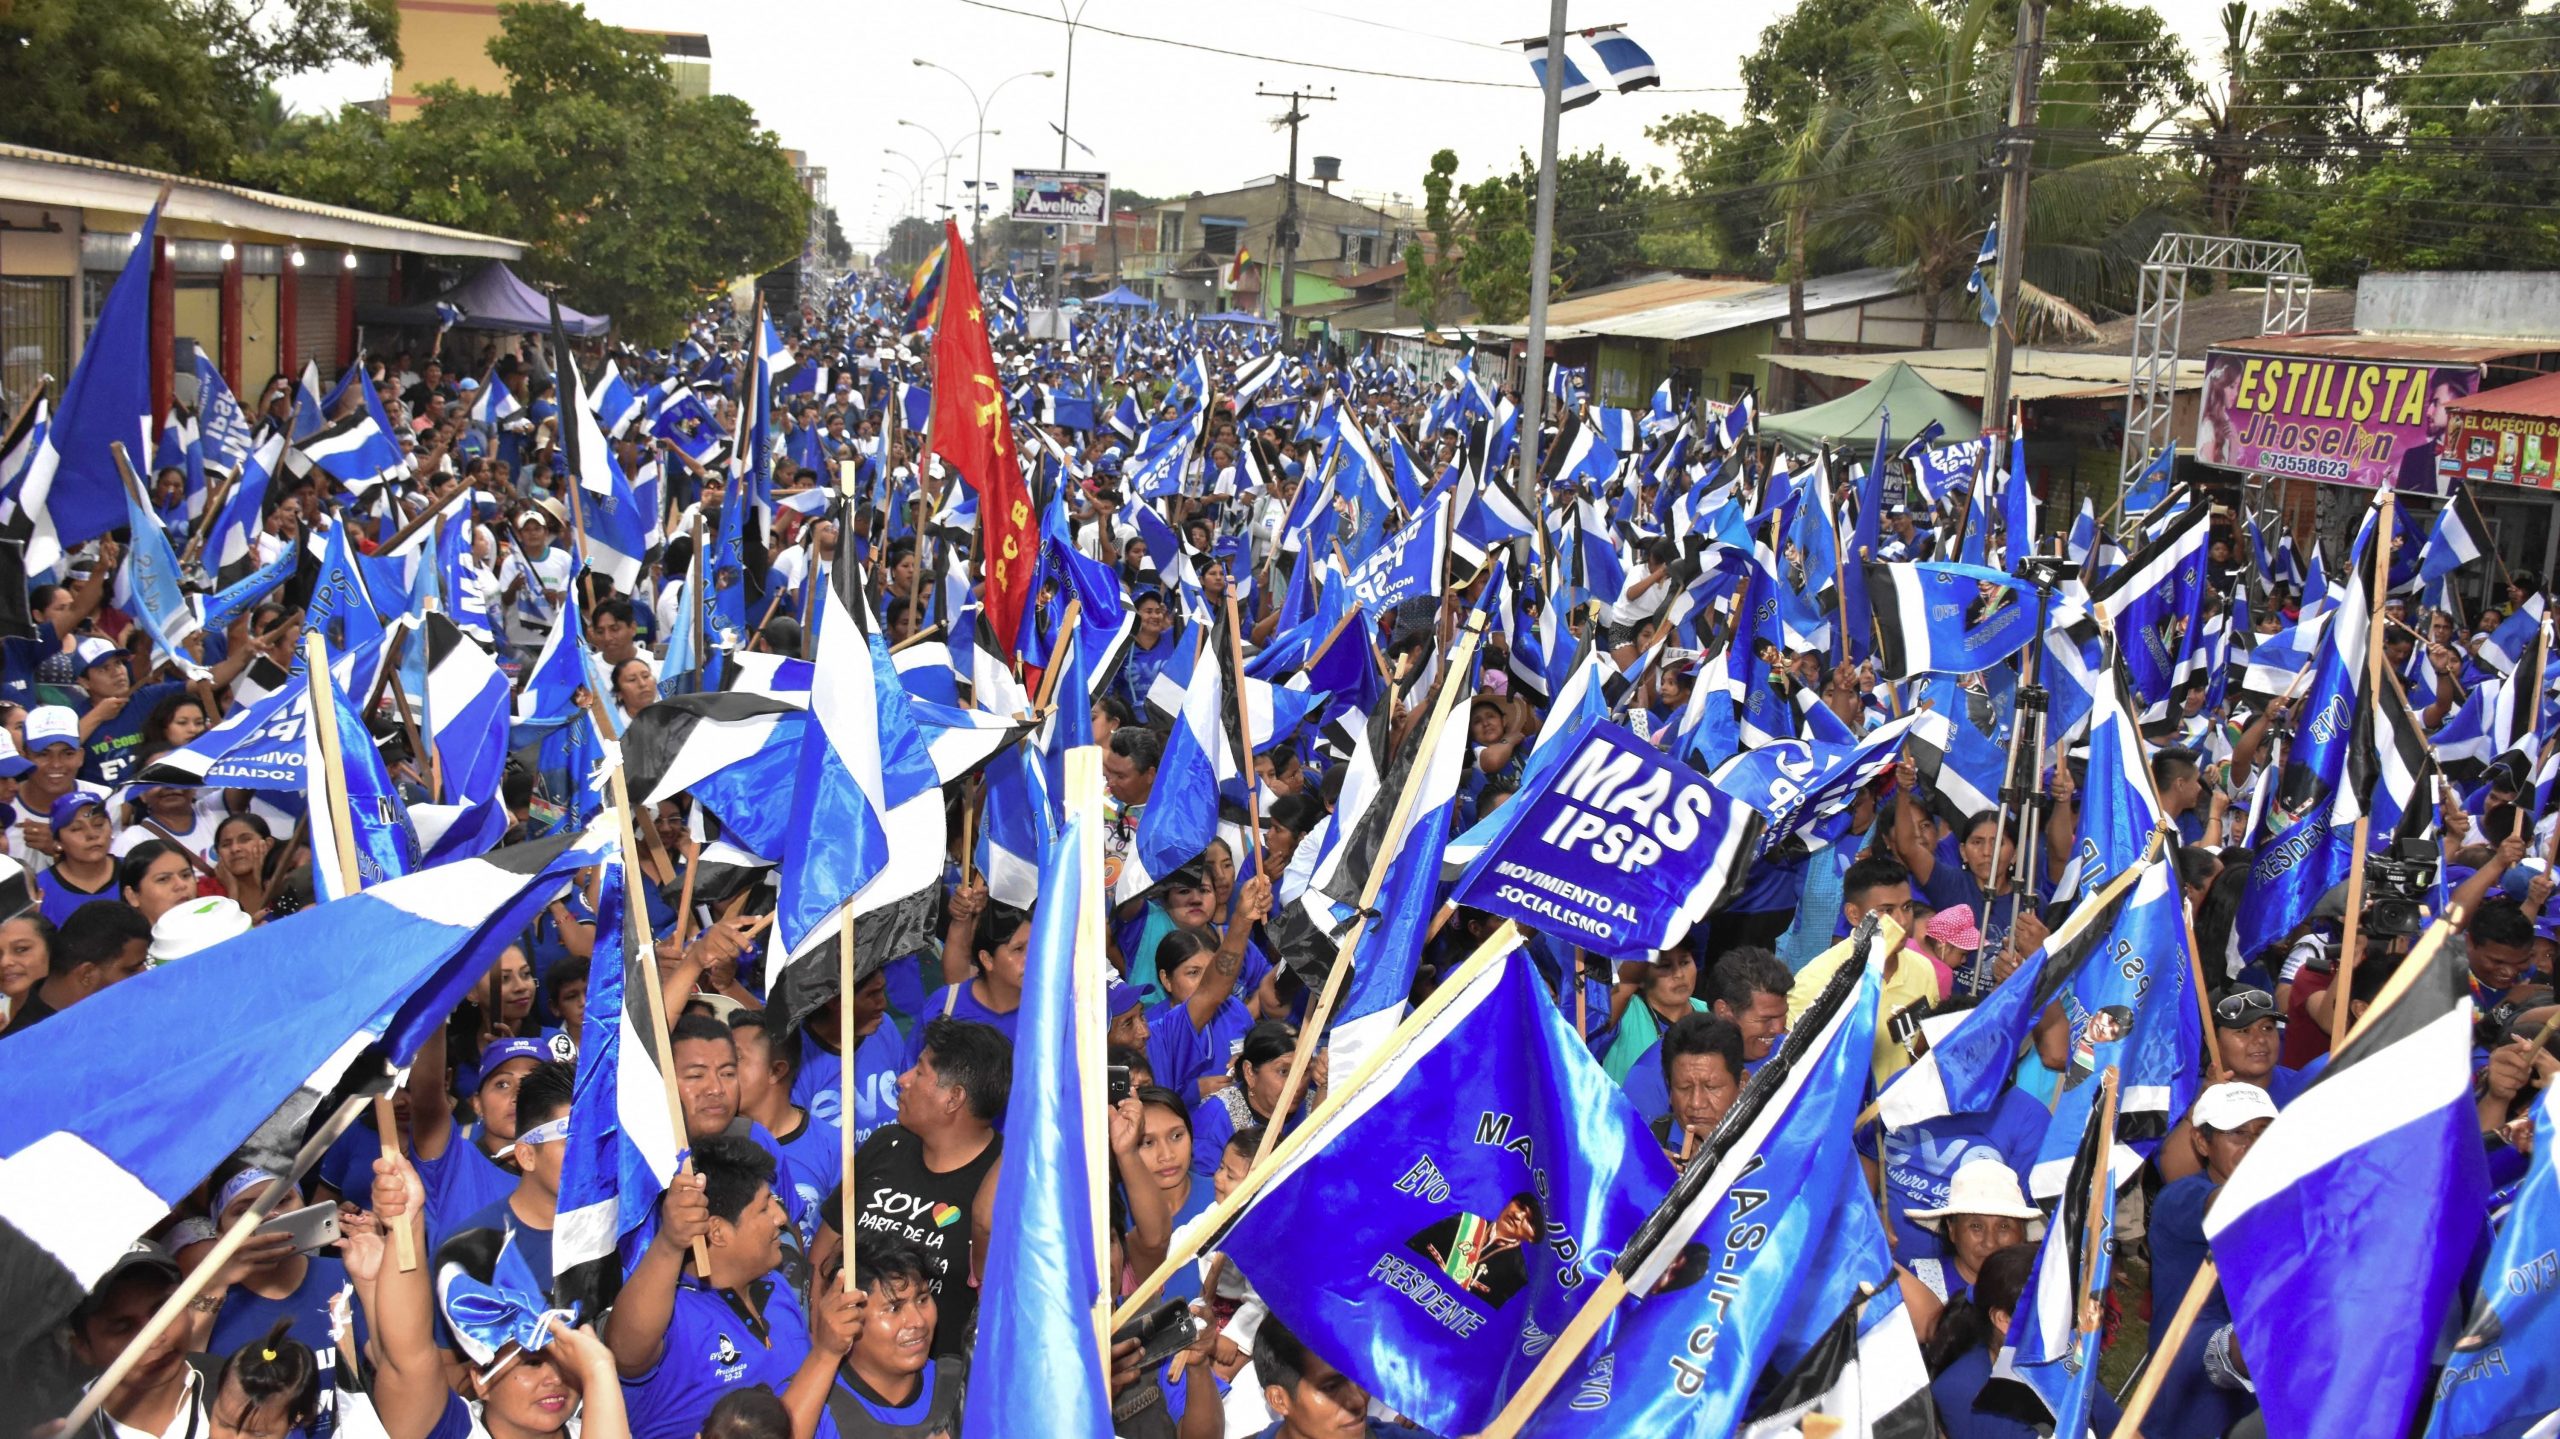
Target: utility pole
1542, 254
2017, 148
1287, 235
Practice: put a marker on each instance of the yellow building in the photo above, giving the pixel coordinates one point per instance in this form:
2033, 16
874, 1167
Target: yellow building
448, 41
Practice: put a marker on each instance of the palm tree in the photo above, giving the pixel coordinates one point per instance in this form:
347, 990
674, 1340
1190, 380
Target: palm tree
2228, 129
1931, 104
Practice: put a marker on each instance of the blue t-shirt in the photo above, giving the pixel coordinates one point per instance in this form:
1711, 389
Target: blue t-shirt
245, 1318
461, 1182
60, 899
964, 1004
2190, 1405
812, 1161
711, 1349
1183, 1056
115, 746
1185, 1283
534, 1244
818, 1085
1954, 1391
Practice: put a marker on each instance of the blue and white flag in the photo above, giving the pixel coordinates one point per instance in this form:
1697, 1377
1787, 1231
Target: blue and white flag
623, 1142
466, 707
2505, 1369
497, 404
2119, 809
1966, 1069
2388, 1133
1629, 67
85, 1170
157, 597
381, 836
1044, 1303
1920, 618
1795, 782
360, 448
222, 428
2156, 604
613, 403
1018, 821
2459, 537
1181, 816
1411, 561
2307, 852
1722, 1282
1612, 847
836, 841
1517, 1168
2051, 1349
72, 491
1984, 282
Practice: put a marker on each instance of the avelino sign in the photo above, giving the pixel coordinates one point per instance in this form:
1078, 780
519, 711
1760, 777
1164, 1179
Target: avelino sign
2348, 421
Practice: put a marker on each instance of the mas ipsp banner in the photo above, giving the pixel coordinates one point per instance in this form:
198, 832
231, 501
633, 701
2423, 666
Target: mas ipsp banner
1062, 197
2359, 422
1612, 847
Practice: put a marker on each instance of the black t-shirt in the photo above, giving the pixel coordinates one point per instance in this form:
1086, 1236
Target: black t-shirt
929, 1210
935, 1410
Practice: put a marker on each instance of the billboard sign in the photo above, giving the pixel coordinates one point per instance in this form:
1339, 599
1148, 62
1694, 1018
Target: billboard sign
2348, 421
2506, 449
1062, 197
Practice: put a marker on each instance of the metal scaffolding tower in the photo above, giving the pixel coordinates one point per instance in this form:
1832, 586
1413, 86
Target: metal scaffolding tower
2151, 392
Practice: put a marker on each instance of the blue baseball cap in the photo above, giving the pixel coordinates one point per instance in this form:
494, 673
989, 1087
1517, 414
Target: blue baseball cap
502, 1050
68, 808
1119, 996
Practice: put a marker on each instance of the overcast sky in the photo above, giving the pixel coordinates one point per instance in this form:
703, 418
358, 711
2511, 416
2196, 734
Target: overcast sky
835, 78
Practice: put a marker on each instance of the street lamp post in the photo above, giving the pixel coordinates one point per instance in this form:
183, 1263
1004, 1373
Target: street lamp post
953, 149
978, 187
1067, 102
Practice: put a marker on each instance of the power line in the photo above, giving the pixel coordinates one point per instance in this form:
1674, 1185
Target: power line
1327, 66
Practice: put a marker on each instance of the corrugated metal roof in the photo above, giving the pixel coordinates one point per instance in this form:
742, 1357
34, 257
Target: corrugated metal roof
2034, 374
45, 177
2424, 349
1683, 309
2536, 397
1757, 303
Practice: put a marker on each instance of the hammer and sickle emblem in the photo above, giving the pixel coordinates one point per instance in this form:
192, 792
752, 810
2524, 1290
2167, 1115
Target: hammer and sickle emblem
988, 408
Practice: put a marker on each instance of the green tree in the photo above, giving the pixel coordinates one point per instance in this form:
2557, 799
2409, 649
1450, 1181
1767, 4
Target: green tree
1601, 209
910, 240
1494, 270
170, 84
638, 201
1431, 271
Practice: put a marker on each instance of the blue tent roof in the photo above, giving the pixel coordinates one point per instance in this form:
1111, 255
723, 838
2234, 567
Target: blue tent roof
1123, 296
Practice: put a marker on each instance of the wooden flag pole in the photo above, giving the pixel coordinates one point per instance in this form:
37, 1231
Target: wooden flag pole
198, 1279
1049, 676
323, 700
1244, 732
2087, 1309
847, 1081
1397, 820
653, 1023
2082, 915
1187, 1240
2341, 991
2199, 1289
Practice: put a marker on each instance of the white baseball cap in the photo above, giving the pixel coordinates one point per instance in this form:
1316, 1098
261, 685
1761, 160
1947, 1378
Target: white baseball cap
2226, 1107
49, 725
95, 651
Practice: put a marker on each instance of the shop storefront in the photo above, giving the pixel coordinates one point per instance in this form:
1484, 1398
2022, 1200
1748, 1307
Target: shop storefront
2341, 415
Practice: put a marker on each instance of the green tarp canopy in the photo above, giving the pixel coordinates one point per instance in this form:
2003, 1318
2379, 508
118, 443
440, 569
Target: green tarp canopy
1852, 417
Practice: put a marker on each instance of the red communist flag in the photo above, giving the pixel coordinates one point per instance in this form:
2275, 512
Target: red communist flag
974, 436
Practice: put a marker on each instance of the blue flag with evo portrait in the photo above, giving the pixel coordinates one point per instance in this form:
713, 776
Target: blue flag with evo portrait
1469, 1195
1613, 847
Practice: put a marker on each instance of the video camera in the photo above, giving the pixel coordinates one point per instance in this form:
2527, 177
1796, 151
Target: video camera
2397, 884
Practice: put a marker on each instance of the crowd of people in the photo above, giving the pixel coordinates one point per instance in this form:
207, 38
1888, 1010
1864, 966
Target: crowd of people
733, 1318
